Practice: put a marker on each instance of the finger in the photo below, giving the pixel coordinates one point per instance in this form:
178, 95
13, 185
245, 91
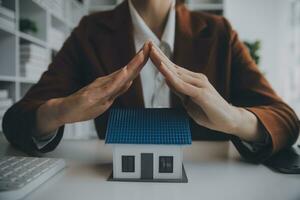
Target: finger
139, 60
181, 96
127, 73
132, 69
163, 57
175, 82
195, 79
186, 77
104, 79
111, 87
157, 60
113, 74
191, 73
157, 57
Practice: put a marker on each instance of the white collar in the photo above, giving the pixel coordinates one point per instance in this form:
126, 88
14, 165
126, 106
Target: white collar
143, 33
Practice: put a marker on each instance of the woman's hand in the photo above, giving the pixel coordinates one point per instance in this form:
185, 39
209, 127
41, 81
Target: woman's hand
92, 100
203, 103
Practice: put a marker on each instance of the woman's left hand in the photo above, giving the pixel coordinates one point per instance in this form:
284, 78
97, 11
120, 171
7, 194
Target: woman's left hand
202, 101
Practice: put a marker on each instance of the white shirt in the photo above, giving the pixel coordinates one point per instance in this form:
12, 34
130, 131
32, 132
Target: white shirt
156, 93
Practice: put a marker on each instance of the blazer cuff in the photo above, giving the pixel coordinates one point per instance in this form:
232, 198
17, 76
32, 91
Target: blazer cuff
21, 136
256, 146
51, 144
41, 142
256, 152
276, 126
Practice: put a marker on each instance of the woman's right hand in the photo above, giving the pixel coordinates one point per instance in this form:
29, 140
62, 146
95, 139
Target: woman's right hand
92, 100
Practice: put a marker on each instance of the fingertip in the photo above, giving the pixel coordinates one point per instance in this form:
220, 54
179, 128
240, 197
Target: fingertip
162, 67
142, 55
165, 70
154, 51
154, 58
156, 55
146, 49
150, 44
151, 51
138, 58
147, 43
155, 47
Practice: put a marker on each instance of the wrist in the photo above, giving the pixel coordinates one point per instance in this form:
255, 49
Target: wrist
233, 125
236, 121
245, 125
49, 116
57, 106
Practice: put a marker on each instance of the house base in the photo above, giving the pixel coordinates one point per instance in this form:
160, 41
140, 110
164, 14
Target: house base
184, 179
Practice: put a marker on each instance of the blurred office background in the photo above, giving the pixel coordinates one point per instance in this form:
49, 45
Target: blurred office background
32, 31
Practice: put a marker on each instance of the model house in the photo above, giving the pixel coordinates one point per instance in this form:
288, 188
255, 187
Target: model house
147, 144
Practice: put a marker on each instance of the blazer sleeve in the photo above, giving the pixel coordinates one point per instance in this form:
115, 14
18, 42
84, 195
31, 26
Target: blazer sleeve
251, 90
61, 79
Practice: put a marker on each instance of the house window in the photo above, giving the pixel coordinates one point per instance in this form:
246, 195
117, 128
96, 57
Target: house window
165, 164
127, 163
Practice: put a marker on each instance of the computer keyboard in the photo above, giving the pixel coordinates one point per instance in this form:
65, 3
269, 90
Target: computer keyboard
21, 175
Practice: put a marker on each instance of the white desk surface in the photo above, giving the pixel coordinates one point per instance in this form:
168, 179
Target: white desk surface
214, 170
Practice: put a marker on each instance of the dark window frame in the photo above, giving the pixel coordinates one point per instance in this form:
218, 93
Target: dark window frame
162, 164
128, 163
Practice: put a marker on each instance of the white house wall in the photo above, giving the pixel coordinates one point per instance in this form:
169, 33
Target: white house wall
156, 150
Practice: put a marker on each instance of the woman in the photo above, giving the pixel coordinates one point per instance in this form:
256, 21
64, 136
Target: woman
196, 61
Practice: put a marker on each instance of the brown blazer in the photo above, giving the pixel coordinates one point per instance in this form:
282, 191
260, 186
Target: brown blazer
103, 42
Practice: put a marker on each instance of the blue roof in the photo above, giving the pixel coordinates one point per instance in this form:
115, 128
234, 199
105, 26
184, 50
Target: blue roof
148, 126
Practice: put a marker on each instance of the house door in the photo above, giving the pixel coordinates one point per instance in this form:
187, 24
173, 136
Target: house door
147, 166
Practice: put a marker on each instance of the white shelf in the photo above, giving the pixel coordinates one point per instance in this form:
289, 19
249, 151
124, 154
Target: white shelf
8, 53
11, 38
206, 6
66, 22
96, 8
26, 80
8, 78
7, 29
33, 39
10, 4
101, 5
